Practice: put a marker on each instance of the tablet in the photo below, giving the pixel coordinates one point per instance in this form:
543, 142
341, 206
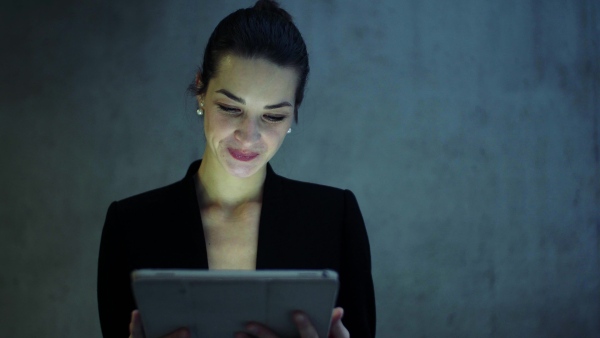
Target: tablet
218, 303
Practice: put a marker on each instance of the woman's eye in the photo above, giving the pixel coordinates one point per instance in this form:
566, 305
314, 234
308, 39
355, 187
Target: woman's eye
274, 118
228, 110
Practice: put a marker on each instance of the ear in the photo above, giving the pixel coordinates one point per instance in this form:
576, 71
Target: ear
198, 80
198, 83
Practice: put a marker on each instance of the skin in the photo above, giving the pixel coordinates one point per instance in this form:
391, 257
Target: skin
304, 326
253, 126
248, 109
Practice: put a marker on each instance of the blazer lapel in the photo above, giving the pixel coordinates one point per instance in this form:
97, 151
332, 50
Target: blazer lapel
272, 220
195, 228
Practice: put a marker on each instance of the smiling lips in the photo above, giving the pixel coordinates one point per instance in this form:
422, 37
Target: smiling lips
242, 155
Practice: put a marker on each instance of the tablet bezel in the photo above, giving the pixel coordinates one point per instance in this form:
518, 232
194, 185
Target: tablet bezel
206, 300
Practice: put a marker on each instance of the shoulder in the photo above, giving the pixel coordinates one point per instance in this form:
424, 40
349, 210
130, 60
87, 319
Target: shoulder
310, 188
313, 196
149, 215
154, 198
172, 200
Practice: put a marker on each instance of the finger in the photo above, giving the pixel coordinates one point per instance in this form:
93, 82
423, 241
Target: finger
338, 330
336, 315
137, 331
305, 327
135, 326
241, 335
260, 331
181, 333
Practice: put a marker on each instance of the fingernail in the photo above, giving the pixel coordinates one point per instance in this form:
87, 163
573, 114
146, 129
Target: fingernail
300, 318
253, 329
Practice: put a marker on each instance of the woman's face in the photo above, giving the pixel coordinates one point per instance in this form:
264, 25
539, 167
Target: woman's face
249, 107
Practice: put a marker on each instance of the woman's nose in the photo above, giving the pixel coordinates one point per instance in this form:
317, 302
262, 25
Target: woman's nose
248, 131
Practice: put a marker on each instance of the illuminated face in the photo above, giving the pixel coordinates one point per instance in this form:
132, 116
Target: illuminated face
249, 107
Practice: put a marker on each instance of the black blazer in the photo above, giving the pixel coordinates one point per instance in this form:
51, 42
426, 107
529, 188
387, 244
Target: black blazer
302, 226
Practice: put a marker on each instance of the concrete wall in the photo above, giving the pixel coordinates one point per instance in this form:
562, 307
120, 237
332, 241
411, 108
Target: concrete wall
467, 129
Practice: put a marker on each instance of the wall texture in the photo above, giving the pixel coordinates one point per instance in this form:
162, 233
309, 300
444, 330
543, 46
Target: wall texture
467, 129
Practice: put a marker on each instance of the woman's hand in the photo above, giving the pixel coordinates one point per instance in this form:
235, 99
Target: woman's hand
306, 329
136, 330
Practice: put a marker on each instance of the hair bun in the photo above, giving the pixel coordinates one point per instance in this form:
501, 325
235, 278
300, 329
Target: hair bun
273, 7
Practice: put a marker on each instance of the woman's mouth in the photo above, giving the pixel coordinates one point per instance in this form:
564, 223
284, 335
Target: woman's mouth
241, 155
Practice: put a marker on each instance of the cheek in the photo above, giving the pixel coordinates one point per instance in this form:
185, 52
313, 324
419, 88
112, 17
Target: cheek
217, 127
274, 137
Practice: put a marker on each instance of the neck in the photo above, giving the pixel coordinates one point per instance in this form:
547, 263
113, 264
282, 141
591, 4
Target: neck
226, 191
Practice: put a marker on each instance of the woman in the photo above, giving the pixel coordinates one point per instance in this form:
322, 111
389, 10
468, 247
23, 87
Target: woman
231, 211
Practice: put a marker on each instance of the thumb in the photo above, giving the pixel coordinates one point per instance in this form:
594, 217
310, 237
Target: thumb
337, 315
337, 328
135, 326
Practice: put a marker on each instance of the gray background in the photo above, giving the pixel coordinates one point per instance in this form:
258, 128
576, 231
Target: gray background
467, 129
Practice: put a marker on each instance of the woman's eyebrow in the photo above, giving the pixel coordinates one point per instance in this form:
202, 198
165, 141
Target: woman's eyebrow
279, 105
242, 101
231, 96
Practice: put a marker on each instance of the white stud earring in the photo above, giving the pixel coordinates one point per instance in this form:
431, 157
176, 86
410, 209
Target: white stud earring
289, 131
200, 111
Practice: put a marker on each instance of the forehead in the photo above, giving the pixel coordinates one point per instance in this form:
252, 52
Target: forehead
255, 79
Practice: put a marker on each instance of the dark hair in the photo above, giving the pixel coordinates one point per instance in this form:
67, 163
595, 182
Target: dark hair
264, 31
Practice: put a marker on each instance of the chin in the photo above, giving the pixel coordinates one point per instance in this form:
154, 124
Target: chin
243, 170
